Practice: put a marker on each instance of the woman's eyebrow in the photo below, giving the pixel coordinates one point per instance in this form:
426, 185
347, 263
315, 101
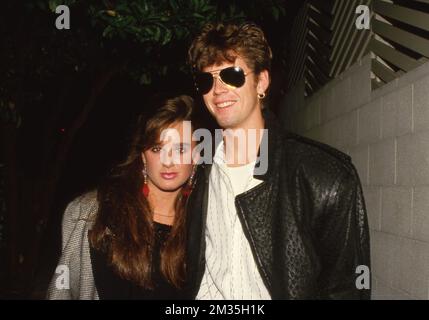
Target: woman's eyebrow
182, 144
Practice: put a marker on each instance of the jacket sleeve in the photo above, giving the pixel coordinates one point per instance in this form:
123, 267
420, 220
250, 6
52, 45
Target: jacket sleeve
344, 241
73, 278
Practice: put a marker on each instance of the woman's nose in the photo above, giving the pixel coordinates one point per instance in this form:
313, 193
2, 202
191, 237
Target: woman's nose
169, 159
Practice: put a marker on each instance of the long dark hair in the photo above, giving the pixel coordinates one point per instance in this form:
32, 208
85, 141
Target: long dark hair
124, 227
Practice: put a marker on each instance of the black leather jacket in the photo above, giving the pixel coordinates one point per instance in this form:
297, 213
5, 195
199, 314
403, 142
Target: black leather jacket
306, 222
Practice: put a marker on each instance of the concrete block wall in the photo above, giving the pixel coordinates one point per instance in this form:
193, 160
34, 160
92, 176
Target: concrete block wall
386, 132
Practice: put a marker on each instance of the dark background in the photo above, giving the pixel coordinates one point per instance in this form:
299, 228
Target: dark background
69, 100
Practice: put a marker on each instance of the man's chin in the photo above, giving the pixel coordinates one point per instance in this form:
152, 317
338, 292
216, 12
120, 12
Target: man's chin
226, 123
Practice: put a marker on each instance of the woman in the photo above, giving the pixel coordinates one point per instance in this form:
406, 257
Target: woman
127, 239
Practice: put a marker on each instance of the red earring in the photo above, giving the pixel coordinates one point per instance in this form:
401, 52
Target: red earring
186, 190
145, 188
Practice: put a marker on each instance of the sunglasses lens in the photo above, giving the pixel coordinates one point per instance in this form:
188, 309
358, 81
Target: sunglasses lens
204, 82
233, 76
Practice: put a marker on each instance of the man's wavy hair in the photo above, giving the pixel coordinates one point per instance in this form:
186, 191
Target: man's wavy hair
219, 42
124, 228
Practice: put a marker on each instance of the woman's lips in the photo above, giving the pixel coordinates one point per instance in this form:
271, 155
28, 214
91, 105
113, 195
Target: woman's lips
169, 175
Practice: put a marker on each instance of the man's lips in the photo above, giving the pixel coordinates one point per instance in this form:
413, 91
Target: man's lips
169, 175
224, 104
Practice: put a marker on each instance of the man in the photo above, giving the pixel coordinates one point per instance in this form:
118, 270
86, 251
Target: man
297, 230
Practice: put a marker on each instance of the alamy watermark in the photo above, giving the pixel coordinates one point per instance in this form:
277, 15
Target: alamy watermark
62, 282
364, 19
241, 146
363, 280
63, 20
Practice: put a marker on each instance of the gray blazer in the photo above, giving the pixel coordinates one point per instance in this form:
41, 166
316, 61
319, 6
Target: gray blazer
74, 278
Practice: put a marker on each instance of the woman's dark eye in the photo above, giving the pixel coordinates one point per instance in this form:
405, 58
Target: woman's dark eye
156, 149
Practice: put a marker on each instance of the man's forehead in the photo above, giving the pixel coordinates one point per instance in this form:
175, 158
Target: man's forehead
238, 61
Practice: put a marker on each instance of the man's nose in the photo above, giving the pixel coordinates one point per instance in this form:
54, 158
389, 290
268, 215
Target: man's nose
218, 86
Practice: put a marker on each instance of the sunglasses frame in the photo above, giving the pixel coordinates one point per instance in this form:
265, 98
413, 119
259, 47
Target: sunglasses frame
216, 74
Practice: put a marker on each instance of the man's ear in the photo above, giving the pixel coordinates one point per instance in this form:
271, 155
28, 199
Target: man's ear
263, 82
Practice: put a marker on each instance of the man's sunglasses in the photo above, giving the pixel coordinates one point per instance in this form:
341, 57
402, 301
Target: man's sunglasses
232, 77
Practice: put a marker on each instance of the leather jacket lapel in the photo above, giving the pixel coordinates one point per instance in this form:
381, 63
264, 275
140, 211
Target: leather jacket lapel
255, 209
196, 222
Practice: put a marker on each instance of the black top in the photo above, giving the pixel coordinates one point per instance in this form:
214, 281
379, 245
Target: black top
111, 286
